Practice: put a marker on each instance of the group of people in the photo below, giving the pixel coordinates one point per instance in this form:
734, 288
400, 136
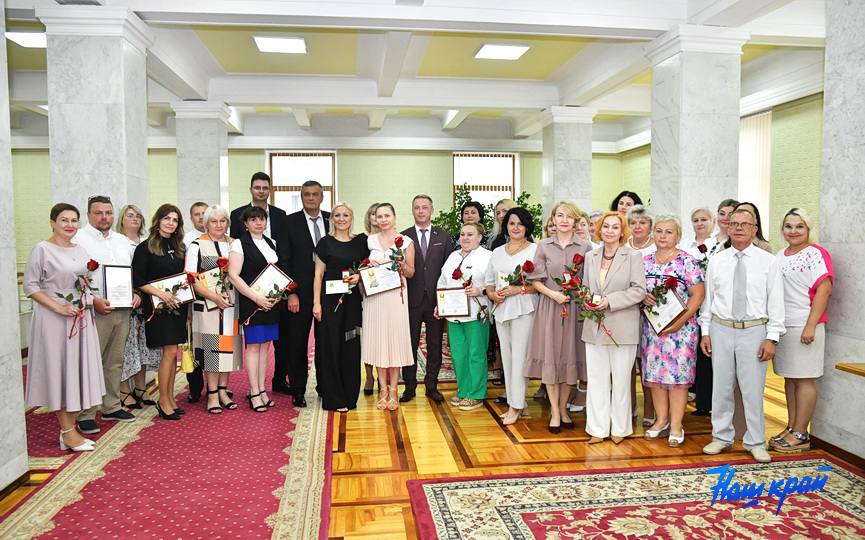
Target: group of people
742, 306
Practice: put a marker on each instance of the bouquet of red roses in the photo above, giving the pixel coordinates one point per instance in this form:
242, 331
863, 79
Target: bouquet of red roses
659, 291
83, 286
571, 284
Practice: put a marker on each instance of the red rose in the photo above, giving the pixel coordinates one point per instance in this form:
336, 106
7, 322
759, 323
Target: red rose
190, 278
292, 286
92, 265
671, 283
575, 281
702, 248
457, 274
578, 259
398, 241
222, 262
364, 262
528, 267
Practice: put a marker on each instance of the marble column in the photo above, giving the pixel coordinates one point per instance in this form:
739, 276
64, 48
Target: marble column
567, 146
838, 419
201, 129
13, 445
97, 102
695, 117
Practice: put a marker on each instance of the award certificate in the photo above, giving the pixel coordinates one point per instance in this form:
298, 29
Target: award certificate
271, 282
335, 286
452, 302
660, 316
377, 279
177, 285
117, 284
210, 280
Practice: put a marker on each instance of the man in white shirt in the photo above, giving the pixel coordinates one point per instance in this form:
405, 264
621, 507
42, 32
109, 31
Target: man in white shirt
106, 246
196, 217
741, 319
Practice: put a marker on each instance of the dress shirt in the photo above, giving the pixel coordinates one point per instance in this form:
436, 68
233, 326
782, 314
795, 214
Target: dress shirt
115, 249
191, 236
420, 236
765, 289
474, 265
691, 246
318, 223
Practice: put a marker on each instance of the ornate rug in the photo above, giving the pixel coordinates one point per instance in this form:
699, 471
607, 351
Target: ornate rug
447, 373
650, 502
238, 474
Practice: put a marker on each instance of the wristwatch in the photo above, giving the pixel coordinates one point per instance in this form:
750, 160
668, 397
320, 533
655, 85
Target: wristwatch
484, 291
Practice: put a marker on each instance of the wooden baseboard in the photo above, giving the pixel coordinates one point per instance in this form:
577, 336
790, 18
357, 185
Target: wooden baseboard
18, 482
851, 458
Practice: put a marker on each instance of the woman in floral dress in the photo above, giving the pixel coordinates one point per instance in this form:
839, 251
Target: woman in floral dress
669, 360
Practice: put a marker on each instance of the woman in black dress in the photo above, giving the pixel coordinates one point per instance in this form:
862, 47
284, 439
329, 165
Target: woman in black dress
339, 316
160, 256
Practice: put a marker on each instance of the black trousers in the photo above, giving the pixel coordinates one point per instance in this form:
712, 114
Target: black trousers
291, 348
418, 315
703, 382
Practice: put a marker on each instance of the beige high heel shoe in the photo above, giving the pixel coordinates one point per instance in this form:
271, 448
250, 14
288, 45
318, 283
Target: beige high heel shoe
382, 398
393, 402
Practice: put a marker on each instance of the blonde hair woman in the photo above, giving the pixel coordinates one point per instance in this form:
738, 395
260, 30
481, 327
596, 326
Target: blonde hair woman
338, 315
131, 224
555, 355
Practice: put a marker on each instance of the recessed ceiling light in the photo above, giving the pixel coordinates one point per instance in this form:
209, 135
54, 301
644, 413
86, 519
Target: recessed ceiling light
31, 40
501, 52
285, 45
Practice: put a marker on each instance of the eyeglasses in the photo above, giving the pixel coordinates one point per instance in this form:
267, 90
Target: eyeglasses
741, 225
98, 198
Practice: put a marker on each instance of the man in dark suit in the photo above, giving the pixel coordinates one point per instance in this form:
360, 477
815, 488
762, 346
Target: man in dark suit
432, 248
295, 243
259, 188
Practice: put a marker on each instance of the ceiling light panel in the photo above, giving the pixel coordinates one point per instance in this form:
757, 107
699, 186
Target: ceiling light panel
501, 52
284, 45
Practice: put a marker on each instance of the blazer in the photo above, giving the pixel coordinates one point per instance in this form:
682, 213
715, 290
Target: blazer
624, 288
427, 269
295, 250
276, 216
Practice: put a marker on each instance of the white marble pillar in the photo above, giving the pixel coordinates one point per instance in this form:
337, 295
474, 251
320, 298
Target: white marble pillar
201, 129
567, 146
13, 443
97, 102
695, 117
838, 419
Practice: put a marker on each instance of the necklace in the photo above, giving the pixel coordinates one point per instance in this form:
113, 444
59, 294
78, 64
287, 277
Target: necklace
610, 258
665, 259
646, 243
511, 249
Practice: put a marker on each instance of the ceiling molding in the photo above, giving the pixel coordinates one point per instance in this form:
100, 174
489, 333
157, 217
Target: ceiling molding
301, 116
453, 118
396, 45
695, 38
201, 110
104, 21
791, 91
178, 61
631, 100
376, 118
566, 115
385, 143
732, 13
599, 68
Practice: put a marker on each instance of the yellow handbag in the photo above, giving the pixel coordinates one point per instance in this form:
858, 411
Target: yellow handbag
187, 358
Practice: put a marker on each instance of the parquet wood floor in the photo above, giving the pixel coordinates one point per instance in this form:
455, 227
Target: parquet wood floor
375, 453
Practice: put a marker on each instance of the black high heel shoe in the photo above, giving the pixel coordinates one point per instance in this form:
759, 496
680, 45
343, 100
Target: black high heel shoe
136, 404
172, 416
140, 398
217, 409
256, 408
230, 405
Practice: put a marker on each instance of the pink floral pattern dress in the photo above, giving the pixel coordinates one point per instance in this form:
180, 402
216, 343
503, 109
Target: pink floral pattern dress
670, 360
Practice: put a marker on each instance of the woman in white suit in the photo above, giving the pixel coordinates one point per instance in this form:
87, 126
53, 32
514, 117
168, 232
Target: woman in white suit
614, 273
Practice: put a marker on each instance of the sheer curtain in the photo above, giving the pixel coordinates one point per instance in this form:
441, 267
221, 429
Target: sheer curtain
755, 162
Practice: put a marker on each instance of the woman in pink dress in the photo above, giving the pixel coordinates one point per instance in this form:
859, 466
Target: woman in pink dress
64, 368
386, 342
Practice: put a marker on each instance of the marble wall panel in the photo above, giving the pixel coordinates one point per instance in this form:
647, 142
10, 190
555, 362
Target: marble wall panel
567, 164
202, 143
709, 145
85, 69
710, 82
13, 444
838, 419
667, 87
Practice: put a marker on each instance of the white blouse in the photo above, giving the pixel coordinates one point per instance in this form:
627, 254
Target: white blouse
802, 274
269, 254
502, 265
474, 265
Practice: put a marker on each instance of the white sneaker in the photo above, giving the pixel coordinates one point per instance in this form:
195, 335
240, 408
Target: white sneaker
691, 396
716, 447
576, 408
760, 454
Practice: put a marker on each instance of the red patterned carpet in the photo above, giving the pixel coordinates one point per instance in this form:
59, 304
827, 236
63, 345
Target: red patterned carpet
650, 502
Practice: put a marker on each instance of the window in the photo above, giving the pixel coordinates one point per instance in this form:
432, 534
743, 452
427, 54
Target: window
490, 177
289, 170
